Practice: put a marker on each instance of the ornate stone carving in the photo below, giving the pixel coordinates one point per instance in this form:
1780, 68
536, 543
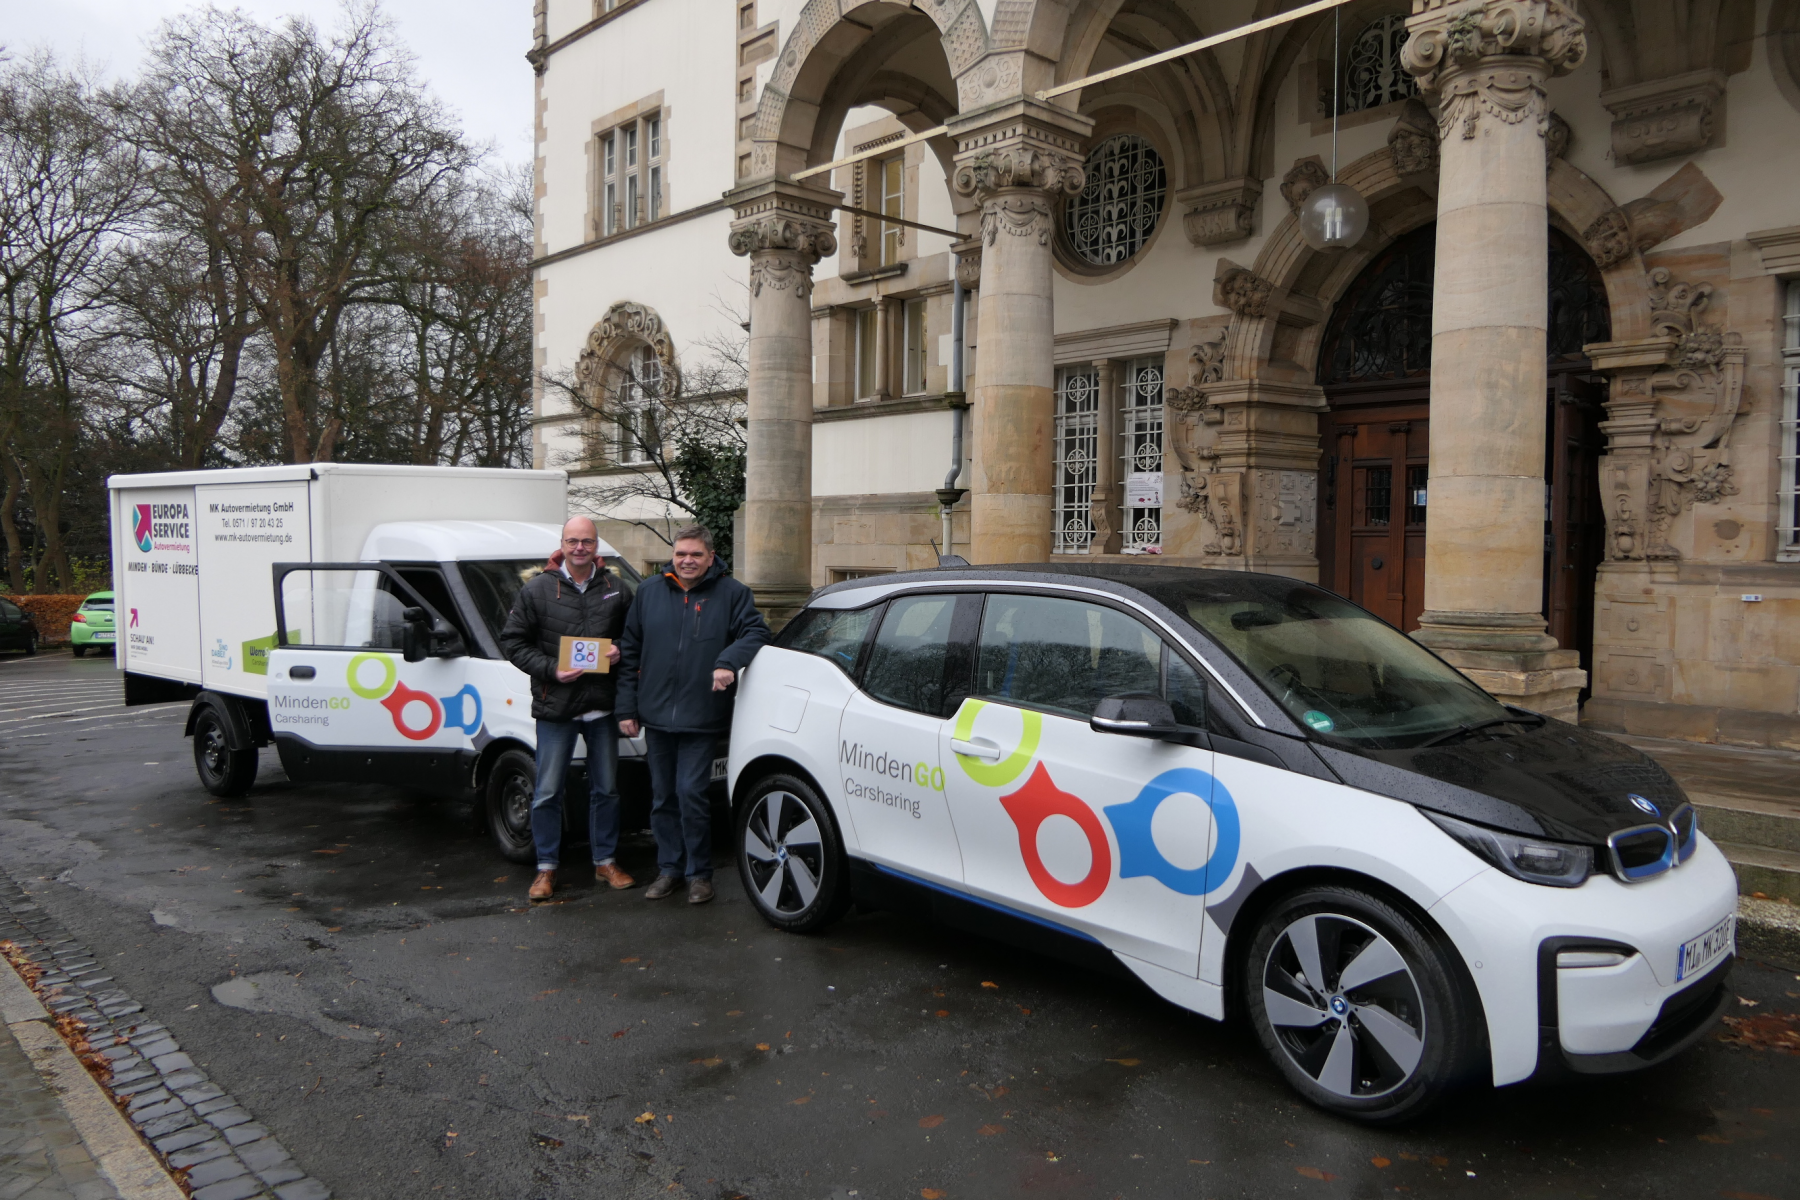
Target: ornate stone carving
1674, 305
625, 326
1014, 185
1211, 495
993, 79
1221, 212
1286, 512
1413, 141
1241, 290
1557, 137
1608, 239
1491, 59
968, 263
1206, 364
1302, 179
1664, 118
783, 249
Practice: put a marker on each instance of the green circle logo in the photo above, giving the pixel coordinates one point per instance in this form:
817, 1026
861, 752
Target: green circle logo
1001, 773
389, 676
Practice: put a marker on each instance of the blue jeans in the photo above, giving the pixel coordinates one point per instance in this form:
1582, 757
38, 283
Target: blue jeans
555, 747
681, 812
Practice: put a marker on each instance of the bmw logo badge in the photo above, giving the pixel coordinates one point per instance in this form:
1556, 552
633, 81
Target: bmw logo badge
1643, 805
1339, 1005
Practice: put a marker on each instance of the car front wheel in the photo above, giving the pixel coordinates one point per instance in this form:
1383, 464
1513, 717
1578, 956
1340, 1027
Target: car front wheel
789, 857
509, 790
1361, 1008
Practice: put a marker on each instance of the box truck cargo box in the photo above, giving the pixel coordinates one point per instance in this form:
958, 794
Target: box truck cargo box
349, 614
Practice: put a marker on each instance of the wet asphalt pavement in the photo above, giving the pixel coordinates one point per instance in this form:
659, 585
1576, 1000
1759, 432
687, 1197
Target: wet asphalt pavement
396, 1014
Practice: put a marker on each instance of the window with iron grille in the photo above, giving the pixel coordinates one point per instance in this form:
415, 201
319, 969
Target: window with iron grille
641, 386
1788, 515
1373, 75
1142, 428
1077, 458
1117, 210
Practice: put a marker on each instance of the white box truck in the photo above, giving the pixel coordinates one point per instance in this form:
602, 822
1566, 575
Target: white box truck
349, 614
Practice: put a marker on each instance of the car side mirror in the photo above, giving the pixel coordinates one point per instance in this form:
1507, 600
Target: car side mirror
446, 642
1135, 714
415, 635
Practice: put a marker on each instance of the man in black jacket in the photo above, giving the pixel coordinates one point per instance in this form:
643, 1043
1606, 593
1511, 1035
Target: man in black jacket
576, 598
686, 638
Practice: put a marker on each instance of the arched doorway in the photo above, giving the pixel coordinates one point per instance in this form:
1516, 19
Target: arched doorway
1374, 497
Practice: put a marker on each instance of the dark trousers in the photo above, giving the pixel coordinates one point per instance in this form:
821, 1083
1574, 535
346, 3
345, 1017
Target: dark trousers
681, 813
555, 747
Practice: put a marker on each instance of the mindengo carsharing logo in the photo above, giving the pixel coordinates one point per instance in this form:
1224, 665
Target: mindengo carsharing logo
140, 528
461, 711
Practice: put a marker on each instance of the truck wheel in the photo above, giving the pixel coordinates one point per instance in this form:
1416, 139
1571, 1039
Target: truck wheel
509, 789
223, 771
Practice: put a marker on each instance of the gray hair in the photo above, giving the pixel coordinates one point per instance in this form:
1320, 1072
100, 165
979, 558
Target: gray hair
694, 533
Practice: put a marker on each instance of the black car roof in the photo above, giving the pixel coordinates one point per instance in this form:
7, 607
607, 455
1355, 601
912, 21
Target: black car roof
1145, 578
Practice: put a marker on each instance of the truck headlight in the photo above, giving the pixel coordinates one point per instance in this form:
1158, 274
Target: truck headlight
1535, 860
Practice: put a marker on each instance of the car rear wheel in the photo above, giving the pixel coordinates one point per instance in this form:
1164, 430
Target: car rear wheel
77, 651
789, 857
1361, 1008
222, 770
30, 644
510, 787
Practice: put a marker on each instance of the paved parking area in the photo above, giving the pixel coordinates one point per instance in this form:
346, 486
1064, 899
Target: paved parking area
41, 1155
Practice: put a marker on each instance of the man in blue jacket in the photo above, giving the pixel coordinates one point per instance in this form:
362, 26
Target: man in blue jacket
687, 636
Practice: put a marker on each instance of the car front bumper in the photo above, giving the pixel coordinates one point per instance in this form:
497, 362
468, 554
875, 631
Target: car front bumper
1546, 1018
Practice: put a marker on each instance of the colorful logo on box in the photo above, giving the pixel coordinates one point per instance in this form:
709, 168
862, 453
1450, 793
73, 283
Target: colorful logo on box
140, 527
461, 711
1132, 822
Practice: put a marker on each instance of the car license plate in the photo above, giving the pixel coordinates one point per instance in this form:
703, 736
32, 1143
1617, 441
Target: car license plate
103, 635
1708, 948
720, 767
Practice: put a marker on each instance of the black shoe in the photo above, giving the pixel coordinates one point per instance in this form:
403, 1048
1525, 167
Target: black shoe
661, 886
700, 891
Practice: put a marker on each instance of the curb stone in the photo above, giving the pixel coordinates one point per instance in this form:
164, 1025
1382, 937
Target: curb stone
189, 1122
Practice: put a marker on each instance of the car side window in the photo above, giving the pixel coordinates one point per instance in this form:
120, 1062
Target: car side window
8, 611
912, 647
1063, 655
835, 635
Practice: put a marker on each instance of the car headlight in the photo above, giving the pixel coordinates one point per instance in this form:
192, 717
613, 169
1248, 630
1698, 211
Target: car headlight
1554, 864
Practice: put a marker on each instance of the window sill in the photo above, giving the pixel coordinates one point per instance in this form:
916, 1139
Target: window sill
893, 272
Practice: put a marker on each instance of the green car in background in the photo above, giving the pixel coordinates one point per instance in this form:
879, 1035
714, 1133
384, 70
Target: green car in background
92, 624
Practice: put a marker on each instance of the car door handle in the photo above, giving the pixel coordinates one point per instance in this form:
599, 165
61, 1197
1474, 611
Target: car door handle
976, 748
301, 672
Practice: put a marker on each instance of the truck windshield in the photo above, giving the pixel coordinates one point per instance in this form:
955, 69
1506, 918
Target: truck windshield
494, 584
1338, 670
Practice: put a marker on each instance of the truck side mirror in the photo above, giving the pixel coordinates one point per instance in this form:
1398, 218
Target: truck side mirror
445, 641
415, 635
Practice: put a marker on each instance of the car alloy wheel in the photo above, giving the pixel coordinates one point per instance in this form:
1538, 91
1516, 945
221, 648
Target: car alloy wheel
789, 857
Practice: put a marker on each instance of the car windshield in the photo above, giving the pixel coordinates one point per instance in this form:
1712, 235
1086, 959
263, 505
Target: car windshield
494, 584
1339, 671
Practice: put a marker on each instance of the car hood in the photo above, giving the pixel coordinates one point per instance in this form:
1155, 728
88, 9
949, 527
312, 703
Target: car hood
1558, 780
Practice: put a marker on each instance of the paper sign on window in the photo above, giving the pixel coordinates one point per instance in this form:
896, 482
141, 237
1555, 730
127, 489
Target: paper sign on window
584, 654
1144, 489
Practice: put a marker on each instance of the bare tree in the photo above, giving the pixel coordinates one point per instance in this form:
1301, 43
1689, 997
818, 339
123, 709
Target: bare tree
300, 152
69, 189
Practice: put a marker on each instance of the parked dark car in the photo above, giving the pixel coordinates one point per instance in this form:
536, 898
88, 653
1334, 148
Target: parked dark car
17, 630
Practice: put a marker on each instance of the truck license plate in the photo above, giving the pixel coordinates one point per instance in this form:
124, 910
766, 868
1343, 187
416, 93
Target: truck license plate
1708, 948
720, 766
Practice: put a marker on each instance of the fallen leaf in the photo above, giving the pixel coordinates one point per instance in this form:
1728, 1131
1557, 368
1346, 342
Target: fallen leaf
544, 1140
709, 1062
633, 958
991, 1130
1132, 1062
999, 1091
736, 1012
989, 983
1200, 1162
932, 1194
549, 991
327, 851
762, 1045
1747, 1003
801, 1100
931, 1122
943, 1012
1409, 1157
619, 1033
501, 878
1380, 1161
1438, 1160
334, 929
1745, 1196
582, 1117
1024, 1012
1765, 1031
1314, 1173
643, 1118
1715, 1139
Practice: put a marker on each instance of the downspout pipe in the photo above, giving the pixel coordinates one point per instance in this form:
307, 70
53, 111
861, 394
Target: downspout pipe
949, 494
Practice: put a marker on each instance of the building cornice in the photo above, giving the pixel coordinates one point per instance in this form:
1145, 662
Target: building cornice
539, 57
686, 214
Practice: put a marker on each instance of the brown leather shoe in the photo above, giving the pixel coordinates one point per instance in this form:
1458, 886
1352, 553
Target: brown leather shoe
700, 891
609, 873
661, 886
543, 887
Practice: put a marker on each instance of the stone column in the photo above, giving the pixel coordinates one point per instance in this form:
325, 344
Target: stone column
785, 229
884, 349
1015, 158
1486, 61
1106, 510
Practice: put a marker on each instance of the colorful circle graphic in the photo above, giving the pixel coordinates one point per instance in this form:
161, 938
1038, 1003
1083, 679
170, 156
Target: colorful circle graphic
1001, 773
1138, 854
1029, 807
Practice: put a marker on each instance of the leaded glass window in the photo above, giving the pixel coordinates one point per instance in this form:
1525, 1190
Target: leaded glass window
1373, 75
1143, 451
1117, 211
1077, 457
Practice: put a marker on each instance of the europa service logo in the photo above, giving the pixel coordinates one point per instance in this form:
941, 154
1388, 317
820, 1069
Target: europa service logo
140, 527
461, 711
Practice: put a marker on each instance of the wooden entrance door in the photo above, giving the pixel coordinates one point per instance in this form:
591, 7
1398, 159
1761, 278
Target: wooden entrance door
1375, 503
1574, 524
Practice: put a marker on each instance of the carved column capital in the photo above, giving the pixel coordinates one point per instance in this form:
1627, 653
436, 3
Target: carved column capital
785, 230
1015, 161
1491, 57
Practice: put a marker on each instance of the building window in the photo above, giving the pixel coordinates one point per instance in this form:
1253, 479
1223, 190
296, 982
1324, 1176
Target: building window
912, 373
1789, 538
1143, 454
1077, 457
637, 405
1373, 75
891, 173
1117, 211
867, 343
631, 172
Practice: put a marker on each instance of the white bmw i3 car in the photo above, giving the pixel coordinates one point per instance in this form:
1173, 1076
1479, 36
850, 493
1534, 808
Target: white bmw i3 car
1252, 795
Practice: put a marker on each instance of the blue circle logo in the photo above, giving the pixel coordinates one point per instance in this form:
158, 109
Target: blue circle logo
1138, 854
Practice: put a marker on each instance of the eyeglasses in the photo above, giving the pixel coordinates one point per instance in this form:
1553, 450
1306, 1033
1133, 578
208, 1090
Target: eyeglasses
581, 541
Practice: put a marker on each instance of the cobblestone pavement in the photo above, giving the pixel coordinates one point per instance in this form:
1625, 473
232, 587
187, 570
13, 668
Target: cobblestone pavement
41, 1155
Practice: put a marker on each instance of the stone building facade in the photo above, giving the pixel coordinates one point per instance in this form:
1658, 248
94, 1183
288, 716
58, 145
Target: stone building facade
1542, 414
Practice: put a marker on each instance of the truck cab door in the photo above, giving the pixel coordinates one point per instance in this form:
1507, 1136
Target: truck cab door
345, 702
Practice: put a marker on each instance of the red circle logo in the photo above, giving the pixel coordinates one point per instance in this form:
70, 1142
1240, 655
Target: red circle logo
396, 703
1029, 807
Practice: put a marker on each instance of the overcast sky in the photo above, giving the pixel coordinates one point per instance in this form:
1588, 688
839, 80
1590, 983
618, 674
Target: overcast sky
470, 52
